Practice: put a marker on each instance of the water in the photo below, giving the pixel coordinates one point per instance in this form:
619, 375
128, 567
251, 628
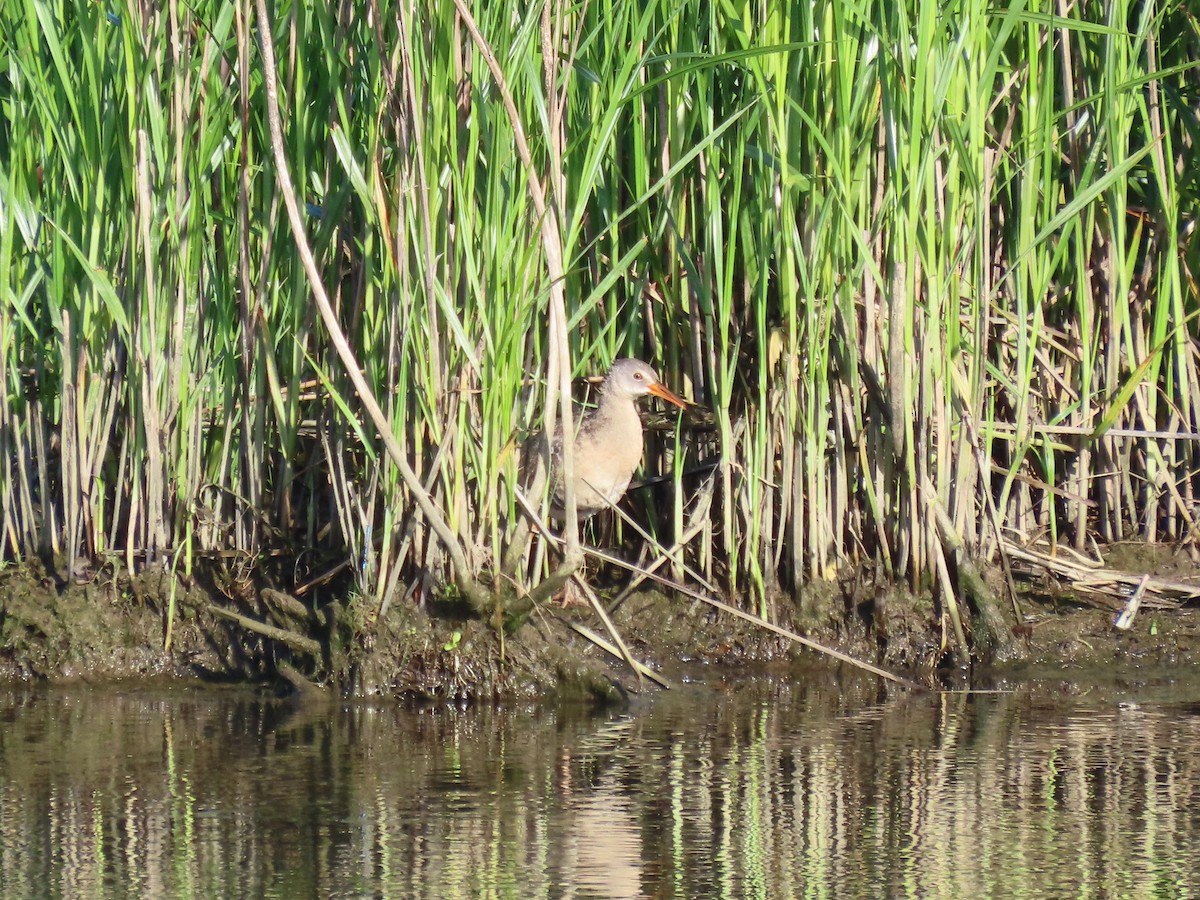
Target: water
802, 785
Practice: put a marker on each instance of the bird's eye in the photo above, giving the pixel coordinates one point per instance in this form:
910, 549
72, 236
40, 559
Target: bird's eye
637, 375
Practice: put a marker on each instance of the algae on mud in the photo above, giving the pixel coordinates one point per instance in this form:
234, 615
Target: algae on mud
114, 629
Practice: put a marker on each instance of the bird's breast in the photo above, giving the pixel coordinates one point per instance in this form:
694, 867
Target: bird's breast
607, 453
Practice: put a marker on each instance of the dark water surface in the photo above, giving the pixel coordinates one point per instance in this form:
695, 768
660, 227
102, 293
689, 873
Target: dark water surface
797, 786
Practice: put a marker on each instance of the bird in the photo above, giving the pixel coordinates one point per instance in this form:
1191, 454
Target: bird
608, 443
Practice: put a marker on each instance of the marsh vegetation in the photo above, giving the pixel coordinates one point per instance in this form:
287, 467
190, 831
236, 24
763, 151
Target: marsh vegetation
282, 289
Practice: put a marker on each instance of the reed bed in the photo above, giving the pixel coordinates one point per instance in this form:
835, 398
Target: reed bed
915, 263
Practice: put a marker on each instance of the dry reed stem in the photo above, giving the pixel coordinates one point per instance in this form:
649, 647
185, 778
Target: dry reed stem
620, 653
1094, 581
433, 515
754, 620
558, 374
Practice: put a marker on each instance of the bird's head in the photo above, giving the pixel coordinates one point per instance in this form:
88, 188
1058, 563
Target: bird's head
633, 378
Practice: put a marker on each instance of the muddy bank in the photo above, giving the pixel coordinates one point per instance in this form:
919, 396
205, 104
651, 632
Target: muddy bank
116, 628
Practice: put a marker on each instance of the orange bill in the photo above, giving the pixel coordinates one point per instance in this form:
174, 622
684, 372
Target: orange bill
660, 390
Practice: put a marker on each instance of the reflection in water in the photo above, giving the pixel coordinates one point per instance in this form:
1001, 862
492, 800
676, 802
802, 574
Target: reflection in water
771, 788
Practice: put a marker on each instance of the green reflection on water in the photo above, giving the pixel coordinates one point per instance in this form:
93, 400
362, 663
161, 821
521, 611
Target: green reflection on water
801, 786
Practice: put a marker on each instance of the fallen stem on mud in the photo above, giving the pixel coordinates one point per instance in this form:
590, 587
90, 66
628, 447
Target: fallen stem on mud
649, 573
611, 649
598, 608
290, 638
1093, 582
753, 619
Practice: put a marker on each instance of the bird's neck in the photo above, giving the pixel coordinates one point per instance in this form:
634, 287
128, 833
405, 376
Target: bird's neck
615, 416
614, 406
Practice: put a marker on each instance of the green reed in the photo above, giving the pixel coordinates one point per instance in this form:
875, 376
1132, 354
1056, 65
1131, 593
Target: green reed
884, 245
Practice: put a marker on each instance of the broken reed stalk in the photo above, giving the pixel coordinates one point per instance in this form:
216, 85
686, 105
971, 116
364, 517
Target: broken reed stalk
1125, 620
602, 615
642, 670
1097, 583
753, 620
